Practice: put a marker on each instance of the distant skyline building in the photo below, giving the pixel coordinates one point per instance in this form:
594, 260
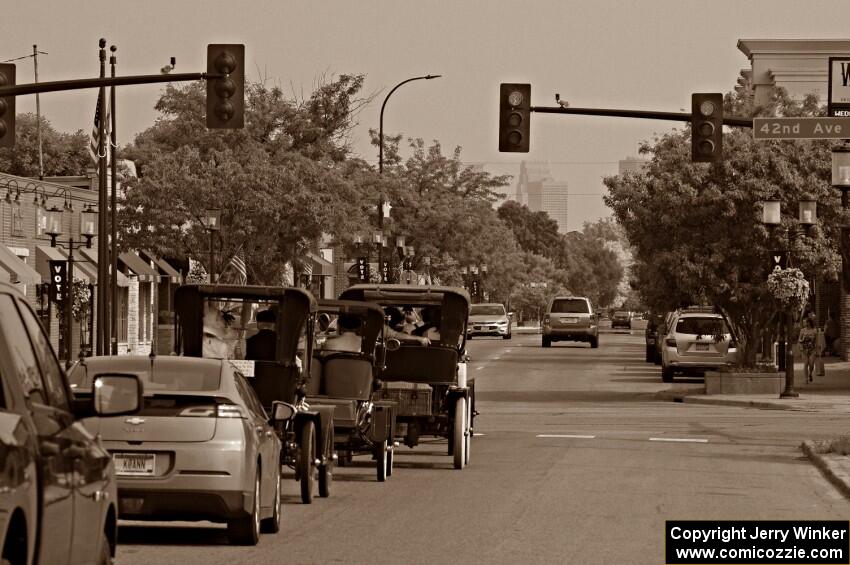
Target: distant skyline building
541, 193
632, 164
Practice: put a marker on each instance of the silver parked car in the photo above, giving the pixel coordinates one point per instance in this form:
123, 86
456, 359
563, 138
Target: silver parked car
697, 339
200, 448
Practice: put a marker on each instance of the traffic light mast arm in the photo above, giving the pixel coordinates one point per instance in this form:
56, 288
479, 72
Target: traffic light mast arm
649, 115
55, 86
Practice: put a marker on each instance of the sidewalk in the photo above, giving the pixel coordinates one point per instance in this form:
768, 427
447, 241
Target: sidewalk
829, 394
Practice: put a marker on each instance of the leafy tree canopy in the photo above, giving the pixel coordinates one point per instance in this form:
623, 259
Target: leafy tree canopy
63, 153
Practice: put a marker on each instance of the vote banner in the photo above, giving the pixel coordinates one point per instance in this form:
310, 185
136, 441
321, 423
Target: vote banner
58, 280
778, 260
385, 271
363, 269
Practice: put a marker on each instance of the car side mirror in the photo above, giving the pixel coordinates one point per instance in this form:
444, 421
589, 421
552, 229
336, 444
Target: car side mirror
393, 344
116, 394
282, 411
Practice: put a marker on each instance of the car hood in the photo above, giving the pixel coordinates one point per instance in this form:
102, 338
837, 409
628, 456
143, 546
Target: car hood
487, 319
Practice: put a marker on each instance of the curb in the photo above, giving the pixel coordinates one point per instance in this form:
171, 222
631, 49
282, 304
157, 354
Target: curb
702, 399
827, 468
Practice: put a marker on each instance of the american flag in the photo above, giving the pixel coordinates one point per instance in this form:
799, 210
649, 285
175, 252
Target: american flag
238, 263
94, 137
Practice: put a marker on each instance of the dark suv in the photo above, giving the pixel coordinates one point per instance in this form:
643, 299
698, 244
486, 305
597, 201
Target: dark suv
570, 318
621, 319
58, 495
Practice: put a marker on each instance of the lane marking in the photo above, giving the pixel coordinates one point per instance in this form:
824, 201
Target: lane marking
496, 358
477, 434
679, 439
571, 436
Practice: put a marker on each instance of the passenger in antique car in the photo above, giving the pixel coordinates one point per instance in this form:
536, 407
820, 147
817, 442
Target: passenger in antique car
347, 339
262, 345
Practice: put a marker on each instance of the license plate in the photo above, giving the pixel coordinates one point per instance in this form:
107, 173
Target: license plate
569, 320
702, 347
134, 464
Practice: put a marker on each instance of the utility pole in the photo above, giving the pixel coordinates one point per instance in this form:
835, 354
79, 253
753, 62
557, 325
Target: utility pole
102, 249
113, 236
35, 53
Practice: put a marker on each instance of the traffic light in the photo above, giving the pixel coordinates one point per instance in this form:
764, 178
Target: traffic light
706, 128
226, 94
514, 117
7, 107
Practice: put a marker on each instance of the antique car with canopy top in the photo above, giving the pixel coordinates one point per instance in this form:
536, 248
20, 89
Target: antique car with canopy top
267, 333
344, 370
428, 382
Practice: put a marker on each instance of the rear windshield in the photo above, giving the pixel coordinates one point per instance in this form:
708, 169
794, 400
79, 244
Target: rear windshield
621, 314
198, 379
571, 306
487, 310
701, 326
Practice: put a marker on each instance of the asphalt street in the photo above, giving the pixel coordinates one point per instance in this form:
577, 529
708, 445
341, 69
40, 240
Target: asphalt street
574, 461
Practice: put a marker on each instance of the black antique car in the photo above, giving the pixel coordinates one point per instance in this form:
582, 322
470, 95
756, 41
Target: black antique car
267, 333
346, 362
428, 382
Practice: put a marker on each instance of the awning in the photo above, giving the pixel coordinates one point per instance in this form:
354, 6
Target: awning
165, 269
18, 270
45, 253
90, 255
321, 266
139, 267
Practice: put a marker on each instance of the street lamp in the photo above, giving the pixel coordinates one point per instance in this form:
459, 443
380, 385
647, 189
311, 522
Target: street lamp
841, 180
212, 223
381, 125
807, 217
88, 229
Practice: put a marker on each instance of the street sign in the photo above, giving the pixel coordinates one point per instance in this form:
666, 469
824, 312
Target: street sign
58, 281
801, 128
839, 87
778, 260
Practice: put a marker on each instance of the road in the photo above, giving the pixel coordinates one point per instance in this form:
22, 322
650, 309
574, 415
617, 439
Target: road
574, 461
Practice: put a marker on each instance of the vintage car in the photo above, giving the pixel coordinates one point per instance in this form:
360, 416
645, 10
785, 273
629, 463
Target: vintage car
344, 370
267, 334
428, 382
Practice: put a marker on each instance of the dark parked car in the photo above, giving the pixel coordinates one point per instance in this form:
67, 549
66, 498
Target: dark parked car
57, 484
653, 324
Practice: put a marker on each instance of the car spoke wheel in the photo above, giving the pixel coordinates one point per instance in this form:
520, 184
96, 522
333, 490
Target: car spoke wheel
307, 461
246, 530
326, 478
272, 525
381, 461
459, 434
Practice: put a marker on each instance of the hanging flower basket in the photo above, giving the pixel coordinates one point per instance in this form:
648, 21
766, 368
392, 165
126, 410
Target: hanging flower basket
789, 287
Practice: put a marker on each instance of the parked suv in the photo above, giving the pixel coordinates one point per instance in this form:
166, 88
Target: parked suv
488, 319
621, 319
570, 318
58, 495
697, 339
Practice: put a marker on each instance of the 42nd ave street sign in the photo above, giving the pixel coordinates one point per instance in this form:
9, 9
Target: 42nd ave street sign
801, 128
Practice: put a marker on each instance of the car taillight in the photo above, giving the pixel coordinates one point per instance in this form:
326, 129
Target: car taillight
670, 342
198, 412
229, 411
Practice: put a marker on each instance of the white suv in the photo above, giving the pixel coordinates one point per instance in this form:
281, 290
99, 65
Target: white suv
697, 339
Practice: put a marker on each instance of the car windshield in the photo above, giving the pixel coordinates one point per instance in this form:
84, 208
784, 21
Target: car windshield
487, 310
701, 326
570, 305
202, 378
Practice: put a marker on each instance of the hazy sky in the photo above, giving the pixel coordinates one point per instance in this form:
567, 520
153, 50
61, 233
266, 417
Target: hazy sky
648, 54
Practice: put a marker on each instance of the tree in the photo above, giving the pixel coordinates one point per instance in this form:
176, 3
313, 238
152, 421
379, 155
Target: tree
696, 230
280, 183
63, 153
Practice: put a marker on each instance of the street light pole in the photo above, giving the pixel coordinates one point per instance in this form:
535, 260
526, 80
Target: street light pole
841, 181
381, 124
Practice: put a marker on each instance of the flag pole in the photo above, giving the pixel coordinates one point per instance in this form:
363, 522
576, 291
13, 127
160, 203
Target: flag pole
114, 215
102, 249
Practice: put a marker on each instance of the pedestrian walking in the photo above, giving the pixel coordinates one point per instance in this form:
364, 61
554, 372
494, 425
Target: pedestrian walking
808, 346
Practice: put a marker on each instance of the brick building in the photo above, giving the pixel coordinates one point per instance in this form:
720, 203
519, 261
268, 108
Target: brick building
25, 252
